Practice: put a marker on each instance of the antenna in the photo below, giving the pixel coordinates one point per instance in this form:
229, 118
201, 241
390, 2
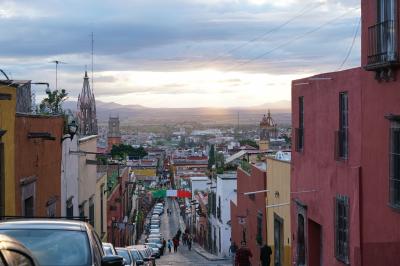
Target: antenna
57, 62
92, 60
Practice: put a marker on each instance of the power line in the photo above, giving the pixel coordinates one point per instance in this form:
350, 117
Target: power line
292, 40
352, 45
302, 12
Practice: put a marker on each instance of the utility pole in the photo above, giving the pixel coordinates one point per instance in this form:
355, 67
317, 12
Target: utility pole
57, 62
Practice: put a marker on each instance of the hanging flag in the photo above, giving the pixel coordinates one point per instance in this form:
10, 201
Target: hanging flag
159, 193
184, 194
171, 193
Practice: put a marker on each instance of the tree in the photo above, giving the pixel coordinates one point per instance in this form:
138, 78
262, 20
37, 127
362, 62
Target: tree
122, 150
249, 142
220, 162
211, 157
52, 103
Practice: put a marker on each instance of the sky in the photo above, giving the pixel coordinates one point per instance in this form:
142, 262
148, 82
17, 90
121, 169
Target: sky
178, 53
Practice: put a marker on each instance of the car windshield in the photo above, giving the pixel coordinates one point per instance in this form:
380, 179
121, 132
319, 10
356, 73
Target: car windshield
54, 247
107, 250
124, 253
136, 255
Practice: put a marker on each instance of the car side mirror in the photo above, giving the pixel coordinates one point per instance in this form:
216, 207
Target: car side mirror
112, 261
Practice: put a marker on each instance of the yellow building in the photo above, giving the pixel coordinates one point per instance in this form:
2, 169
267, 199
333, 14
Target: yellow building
100, 203
145, 171
7, 148
278, 208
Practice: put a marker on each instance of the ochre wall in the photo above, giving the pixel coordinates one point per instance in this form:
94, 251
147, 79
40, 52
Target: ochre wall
278, 180
39, 158
7, 122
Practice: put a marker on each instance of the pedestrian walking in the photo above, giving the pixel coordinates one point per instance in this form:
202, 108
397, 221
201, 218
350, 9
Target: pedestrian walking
243, 255
232, 251
164, 243
189, 242
184, 239
265, 255
176, 244
170, 244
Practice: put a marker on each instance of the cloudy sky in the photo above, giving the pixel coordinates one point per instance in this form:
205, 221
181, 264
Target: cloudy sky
178, 53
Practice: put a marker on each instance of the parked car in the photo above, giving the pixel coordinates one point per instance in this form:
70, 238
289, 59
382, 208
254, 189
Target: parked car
146, 253
154, 226
156, 249
155, 240
137, 257
109, 249
59, 242
153, 235
124, 252
14, 253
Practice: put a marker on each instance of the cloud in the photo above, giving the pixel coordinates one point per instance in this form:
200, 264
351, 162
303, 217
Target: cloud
175, 37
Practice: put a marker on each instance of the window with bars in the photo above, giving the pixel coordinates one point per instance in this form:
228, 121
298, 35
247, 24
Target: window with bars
342, 228
259, 228
394, 155
300, 130
342, 135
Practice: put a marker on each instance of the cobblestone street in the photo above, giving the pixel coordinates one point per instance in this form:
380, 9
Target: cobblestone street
169, 227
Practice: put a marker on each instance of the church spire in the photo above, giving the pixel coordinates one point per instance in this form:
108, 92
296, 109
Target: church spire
86, 107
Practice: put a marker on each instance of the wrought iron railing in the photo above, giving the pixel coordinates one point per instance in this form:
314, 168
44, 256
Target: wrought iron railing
382, 44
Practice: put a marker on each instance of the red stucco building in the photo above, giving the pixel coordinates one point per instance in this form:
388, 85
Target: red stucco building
38, 164
346, 154
248, 221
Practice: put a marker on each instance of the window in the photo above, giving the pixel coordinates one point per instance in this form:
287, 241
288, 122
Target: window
299, 132
91, 211
219, 208
342, 135
102, 209
28, 207
259, 228
82, 210
28, 199
70, 208
301, 243
342, 228
51, 209
394, 155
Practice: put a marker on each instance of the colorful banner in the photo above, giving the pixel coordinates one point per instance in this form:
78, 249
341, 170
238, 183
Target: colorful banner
162, 193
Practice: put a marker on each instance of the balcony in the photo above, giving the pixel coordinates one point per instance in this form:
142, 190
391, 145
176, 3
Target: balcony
382, 46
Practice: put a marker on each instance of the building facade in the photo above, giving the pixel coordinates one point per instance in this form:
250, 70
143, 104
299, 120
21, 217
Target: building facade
114, 134
38, 164
278, 209
87, 172
345, 175
248, 218
69, 178
7, 148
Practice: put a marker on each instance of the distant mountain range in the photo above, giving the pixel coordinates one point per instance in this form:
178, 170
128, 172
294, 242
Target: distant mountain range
139, 114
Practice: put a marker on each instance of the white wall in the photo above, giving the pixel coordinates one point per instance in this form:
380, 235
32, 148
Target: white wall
87, 172
226, 186
69, 176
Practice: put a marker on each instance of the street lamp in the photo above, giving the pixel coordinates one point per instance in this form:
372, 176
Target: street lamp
72, 129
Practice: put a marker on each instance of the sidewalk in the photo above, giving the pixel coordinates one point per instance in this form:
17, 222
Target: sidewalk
202, 252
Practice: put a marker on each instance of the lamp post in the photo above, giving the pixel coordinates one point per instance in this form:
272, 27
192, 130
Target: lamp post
72, 129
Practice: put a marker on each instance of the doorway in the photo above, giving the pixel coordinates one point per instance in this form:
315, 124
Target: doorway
278, 240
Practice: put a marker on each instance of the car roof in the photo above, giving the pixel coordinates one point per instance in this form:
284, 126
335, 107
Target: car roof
50, 224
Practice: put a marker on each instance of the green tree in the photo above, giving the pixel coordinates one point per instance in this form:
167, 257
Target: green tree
52, 103
211, 157
220, 162
122, 150
249, 142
